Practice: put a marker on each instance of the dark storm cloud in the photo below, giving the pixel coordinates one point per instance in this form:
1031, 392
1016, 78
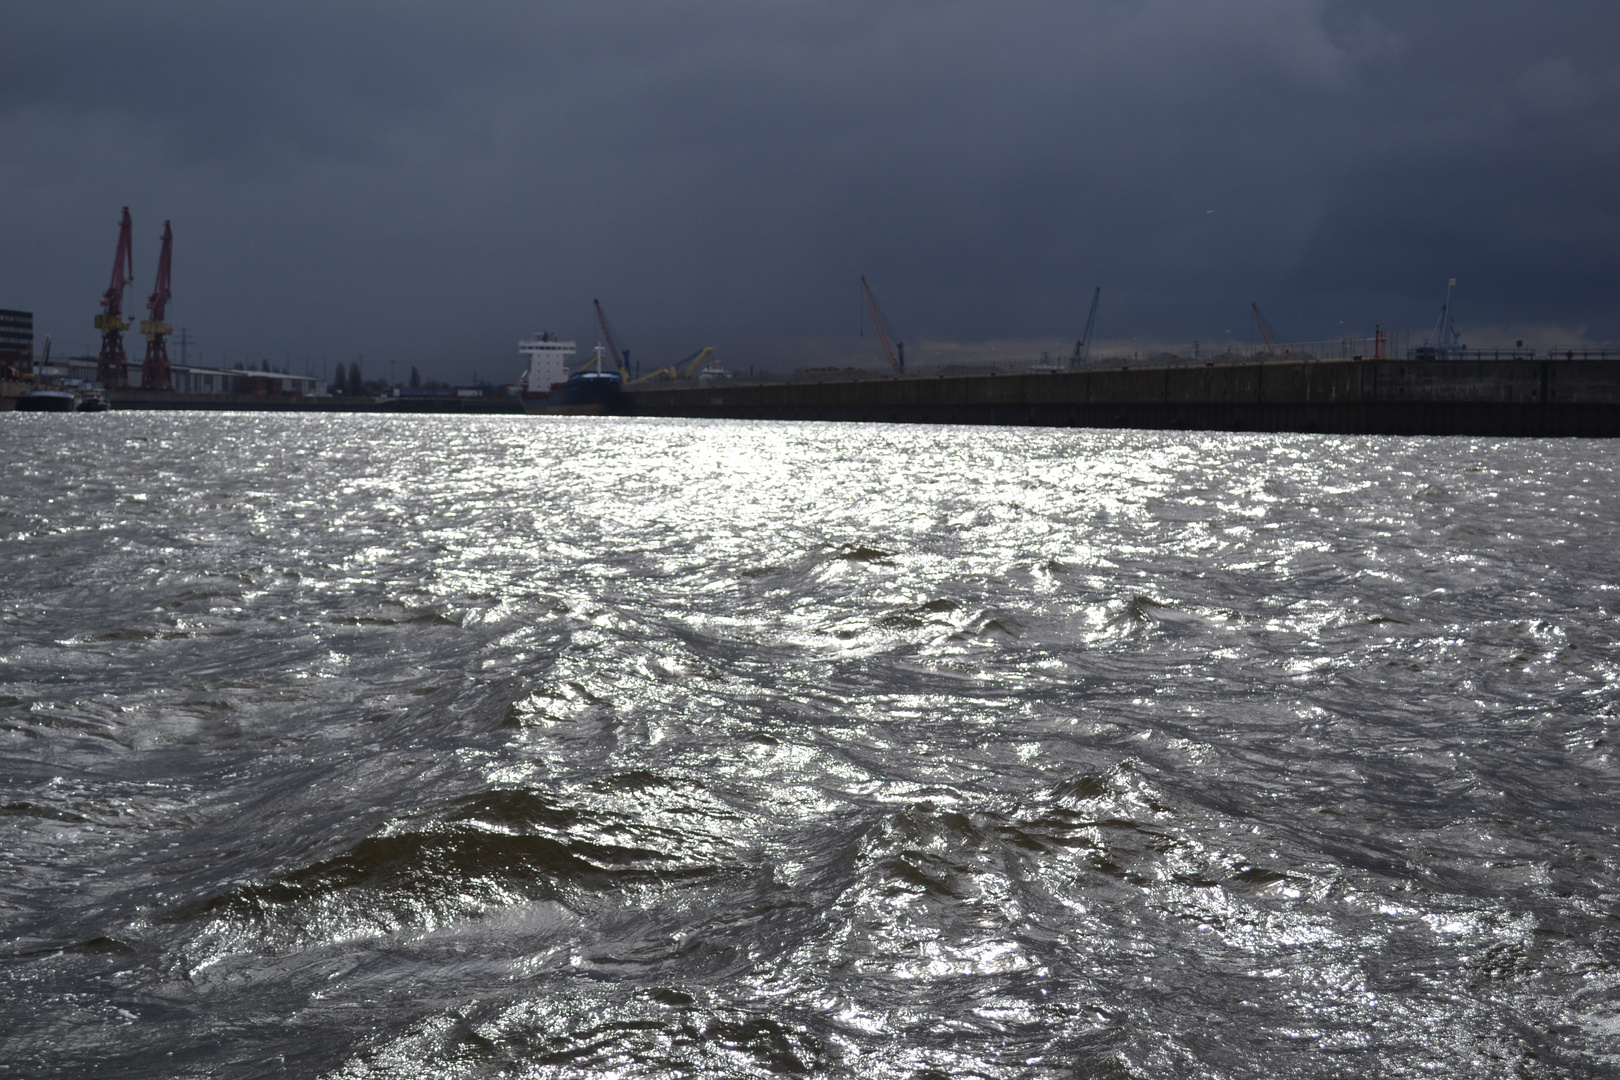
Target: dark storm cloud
429, 182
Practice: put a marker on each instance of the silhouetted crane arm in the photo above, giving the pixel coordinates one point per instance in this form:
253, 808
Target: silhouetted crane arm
123, 271
613, 345
1265, 330
676, 370
157, 304
155, 374
880, 327
112, 365
697, 360
1082, 348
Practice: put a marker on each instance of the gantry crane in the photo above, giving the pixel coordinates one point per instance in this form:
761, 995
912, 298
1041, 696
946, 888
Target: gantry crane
1261, 325
675, 370
1082, 348
112, 367
895, 353
620, 356
1445, 339
155, 371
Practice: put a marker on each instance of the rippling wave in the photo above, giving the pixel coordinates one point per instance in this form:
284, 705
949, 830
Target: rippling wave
444, 747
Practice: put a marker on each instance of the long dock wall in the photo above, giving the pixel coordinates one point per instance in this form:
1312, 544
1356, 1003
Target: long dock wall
1556, 397
160, 399
1389, 397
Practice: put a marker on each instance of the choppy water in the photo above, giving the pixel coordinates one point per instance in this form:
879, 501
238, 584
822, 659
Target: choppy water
418, 747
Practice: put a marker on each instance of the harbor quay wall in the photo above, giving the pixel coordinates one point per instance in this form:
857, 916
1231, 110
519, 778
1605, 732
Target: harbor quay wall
158, 399
1373, 397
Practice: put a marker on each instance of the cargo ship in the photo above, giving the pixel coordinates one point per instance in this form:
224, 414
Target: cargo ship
547, 386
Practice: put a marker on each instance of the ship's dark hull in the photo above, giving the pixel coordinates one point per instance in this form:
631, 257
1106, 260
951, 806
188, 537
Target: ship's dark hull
588, 389
48, 401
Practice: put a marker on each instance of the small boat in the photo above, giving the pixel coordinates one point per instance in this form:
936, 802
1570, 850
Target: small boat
61, 399
48, 401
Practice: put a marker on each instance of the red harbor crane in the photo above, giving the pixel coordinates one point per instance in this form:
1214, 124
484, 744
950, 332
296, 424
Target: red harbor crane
1082, 348
112, 368
1265, 330
621, 357
896, 355
155, 371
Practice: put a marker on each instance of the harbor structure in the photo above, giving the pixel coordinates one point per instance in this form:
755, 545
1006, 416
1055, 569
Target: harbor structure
1568, 393
895, 352
112, 367
77, 371
155, 373
16, 343
548, 364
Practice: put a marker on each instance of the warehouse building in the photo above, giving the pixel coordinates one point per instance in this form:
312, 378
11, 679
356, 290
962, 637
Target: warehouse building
16, 341
192, 378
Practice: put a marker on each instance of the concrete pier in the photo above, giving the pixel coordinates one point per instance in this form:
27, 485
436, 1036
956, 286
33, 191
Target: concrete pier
1372, 397
158, 399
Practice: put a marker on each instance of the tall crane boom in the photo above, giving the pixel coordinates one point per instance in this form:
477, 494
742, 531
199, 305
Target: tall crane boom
1082, 348
1445, 337
155, 371
677, 370
1263, 327
698, 359
112, 367
898, 362
620, 357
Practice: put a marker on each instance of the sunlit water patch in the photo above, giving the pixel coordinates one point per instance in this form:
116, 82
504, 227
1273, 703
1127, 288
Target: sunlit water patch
419, 747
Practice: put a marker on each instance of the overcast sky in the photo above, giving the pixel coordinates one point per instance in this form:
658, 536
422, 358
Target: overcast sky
429, 182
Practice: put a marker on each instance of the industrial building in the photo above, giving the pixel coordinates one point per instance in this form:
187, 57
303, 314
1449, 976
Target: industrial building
201, 380
192, 379
16, 340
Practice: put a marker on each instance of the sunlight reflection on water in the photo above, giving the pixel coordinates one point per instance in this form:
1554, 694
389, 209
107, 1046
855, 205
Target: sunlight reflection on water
444, 747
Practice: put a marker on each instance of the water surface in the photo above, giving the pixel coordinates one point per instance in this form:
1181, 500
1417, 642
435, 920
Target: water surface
343, 746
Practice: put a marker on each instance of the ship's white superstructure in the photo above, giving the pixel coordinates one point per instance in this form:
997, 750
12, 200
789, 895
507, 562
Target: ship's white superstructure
548, 361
